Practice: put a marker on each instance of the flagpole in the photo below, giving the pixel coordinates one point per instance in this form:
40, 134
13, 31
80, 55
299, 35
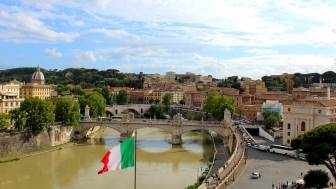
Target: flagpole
135, 139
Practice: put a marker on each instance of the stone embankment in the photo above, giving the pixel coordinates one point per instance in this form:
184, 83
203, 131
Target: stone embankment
221, 155
13, 144
222, 176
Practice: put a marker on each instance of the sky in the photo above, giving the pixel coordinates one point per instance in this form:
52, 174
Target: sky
217, 37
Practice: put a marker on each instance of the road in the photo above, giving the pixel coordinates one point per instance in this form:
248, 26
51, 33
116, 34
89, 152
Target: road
275, 169
261, 140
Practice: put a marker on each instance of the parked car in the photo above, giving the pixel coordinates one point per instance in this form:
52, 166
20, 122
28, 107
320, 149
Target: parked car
301, 155
255, 175
263, 147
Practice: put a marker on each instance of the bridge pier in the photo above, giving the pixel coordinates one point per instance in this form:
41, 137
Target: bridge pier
176, 139
123, 136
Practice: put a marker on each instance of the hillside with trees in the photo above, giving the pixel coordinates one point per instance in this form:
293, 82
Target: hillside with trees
299, 79
86, 78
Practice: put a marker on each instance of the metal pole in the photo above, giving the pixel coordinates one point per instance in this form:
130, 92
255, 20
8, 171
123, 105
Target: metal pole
135, 139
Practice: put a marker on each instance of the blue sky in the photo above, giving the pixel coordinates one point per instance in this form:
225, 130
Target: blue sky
221, 38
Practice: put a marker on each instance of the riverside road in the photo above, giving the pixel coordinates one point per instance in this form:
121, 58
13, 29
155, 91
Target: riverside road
274, 169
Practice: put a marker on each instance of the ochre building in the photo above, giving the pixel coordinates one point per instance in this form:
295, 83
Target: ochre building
37, 87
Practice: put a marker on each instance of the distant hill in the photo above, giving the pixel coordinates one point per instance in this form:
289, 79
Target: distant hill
78, 76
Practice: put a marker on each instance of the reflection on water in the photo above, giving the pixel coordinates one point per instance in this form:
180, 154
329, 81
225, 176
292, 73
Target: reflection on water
159, 165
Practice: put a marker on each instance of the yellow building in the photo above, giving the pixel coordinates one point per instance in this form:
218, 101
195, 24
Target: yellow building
177, 96
10, 96
37, 87
254, 87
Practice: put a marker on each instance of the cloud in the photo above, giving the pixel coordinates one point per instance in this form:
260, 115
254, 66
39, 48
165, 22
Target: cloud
261, 51
252, 66
126, 53
87, 56
23, 28
53, 52
229, 23
270, 64
195, 35
229, 15
117, 34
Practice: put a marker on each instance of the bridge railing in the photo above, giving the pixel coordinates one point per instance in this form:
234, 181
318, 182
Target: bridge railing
156, 121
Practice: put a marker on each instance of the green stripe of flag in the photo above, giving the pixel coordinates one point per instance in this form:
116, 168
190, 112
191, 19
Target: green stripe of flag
127, 153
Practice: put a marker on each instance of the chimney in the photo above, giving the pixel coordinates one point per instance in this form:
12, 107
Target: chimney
328, 93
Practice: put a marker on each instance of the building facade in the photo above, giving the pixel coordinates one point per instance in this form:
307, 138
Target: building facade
301, 116
37, 87
254, 87
177, 96
171, 75
10, 96
195, 99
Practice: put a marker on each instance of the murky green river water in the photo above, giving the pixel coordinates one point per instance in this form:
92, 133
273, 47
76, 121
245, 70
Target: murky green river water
159, 165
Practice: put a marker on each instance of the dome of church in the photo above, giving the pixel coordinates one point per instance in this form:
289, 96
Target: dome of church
38, 76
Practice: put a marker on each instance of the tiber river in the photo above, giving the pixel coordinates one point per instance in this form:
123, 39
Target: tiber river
159, 165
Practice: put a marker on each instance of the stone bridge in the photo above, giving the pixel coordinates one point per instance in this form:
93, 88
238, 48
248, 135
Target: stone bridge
137, 109
177, 127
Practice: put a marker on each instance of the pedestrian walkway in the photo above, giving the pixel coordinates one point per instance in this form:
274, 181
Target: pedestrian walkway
225, 169
221, 156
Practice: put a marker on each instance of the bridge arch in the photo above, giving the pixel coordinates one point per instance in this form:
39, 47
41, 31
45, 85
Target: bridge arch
109, 113
128, 110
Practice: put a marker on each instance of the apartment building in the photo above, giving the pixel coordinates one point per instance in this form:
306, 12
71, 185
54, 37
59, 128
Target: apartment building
10, 96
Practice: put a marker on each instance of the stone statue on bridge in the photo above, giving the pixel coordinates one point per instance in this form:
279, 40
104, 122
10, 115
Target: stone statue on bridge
87, 113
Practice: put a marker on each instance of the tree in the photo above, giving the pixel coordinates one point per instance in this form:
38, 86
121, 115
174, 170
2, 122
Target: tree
122, 97
38, 114
271, 119
67, 111
316, 179
61, 88
216, 104
19, 118
107, 95
190, 116
77, 91
95, 101
320, 146
167, 100
157, 111
4, 120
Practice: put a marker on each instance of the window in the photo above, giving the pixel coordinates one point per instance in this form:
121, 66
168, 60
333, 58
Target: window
288, 141
288, 133
288, 126
303, 126
289, 109
319, 111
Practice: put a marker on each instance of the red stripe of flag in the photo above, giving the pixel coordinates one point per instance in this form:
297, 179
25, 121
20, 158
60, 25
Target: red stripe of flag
105, 160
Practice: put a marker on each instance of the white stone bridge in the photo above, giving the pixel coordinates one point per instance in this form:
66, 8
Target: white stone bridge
177, 127
137, 109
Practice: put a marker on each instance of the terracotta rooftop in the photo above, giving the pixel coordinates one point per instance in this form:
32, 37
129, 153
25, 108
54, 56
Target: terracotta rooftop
318, 102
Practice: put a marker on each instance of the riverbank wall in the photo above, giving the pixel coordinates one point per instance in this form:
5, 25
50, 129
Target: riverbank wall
235, 164
13, 144
228, 168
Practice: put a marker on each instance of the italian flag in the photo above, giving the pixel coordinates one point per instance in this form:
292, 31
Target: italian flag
119, 157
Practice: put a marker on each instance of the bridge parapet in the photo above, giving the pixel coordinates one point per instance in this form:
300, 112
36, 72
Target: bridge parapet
177, 129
